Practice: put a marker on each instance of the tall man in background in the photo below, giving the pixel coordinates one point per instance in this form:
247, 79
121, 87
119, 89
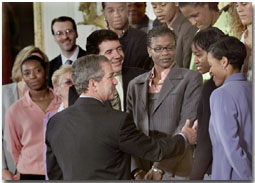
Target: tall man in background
65, 33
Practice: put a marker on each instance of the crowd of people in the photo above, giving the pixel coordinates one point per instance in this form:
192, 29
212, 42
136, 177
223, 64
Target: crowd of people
163, 99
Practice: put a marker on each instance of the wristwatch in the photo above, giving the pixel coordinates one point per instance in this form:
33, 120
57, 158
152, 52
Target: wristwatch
157, 170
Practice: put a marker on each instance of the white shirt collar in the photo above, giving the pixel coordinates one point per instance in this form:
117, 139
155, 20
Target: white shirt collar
73, 57
61, 107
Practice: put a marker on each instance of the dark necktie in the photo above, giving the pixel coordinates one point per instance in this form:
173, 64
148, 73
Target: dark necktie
116, 101
69, 62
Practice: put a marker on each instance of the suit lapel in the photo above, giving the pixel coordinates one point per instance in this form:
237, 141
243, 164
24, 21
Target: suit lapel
58, 63
81, 52
124, 84
172, 80
142, 88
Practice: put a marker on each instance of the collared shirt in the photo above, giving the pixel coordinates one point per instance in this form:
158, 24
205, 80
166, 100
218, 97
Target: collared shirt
24, 126
73, 57
155, 88
119, 88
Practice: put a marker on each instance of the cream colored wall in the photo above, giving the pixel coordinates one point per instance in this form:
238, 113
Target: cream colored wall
52, 10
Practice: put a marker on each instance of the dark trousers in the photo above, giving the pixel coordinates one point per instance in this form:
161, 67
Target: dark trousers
31, 177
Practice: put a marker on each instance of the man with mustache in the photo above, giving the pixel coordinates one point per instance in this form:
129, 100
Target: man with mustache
64, 31
168, 95
106, 42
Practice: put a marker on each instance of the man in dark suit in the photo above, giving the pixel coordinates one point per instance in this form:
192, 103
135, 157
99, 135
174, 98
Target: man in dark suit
64, 31
92, 141
106, 42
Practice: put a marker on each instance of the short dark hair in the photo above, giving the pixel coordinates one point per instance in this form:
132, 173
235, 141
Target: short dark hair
86, 68
63, 19
231, 48
204, 38
159, 31
34, 57
97, 37
211, 5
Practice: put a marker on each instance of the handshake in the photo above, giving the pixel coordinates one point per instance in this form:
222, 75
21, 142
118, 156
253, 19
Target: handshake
156, 174
190, 132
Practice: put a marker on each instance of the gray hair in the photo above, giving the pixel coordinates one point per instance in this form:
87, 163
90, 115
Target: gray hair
160, 31
86, 68
57, 75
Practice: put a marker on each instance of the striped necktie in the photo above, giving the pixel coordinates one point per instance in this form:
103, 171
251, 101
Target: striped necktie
116, 101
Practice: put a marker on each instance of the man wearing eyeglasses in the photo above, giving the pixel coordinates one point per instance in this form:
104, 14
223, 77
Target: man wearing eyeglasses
161, 101
64, 31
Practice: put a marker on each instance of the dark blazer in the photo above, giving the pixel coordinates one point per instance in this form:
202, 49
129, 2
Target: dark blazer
134, 46
203, 153
128, 73
91, 141
56, 63
185, 33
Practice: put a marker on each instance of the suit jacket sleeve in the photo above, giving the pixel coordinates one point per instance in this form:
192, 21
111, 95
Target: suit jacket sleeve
136, 143
135, 161
203, 152
224, 119
54, 171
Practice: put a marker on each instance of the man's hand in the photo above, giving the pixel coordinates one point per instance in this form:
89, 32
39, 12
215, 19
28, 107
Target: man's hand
7, 175
152, 175
190, 133
195, 125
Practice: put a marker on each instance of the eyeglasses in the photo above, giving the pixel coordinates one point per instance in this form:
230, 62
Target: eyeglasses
66, 32
161, 49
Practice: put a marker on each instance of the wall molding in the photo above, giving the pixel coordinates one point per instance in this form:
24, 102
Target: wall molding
38, 25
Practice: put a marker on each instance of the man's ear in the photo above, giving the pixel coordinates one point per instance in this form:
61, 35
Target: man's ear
77, 35
92, 84
103, 13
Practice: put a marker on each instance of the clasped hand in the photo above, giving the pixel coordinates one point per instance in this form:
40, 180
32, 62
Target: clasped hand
190, 133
